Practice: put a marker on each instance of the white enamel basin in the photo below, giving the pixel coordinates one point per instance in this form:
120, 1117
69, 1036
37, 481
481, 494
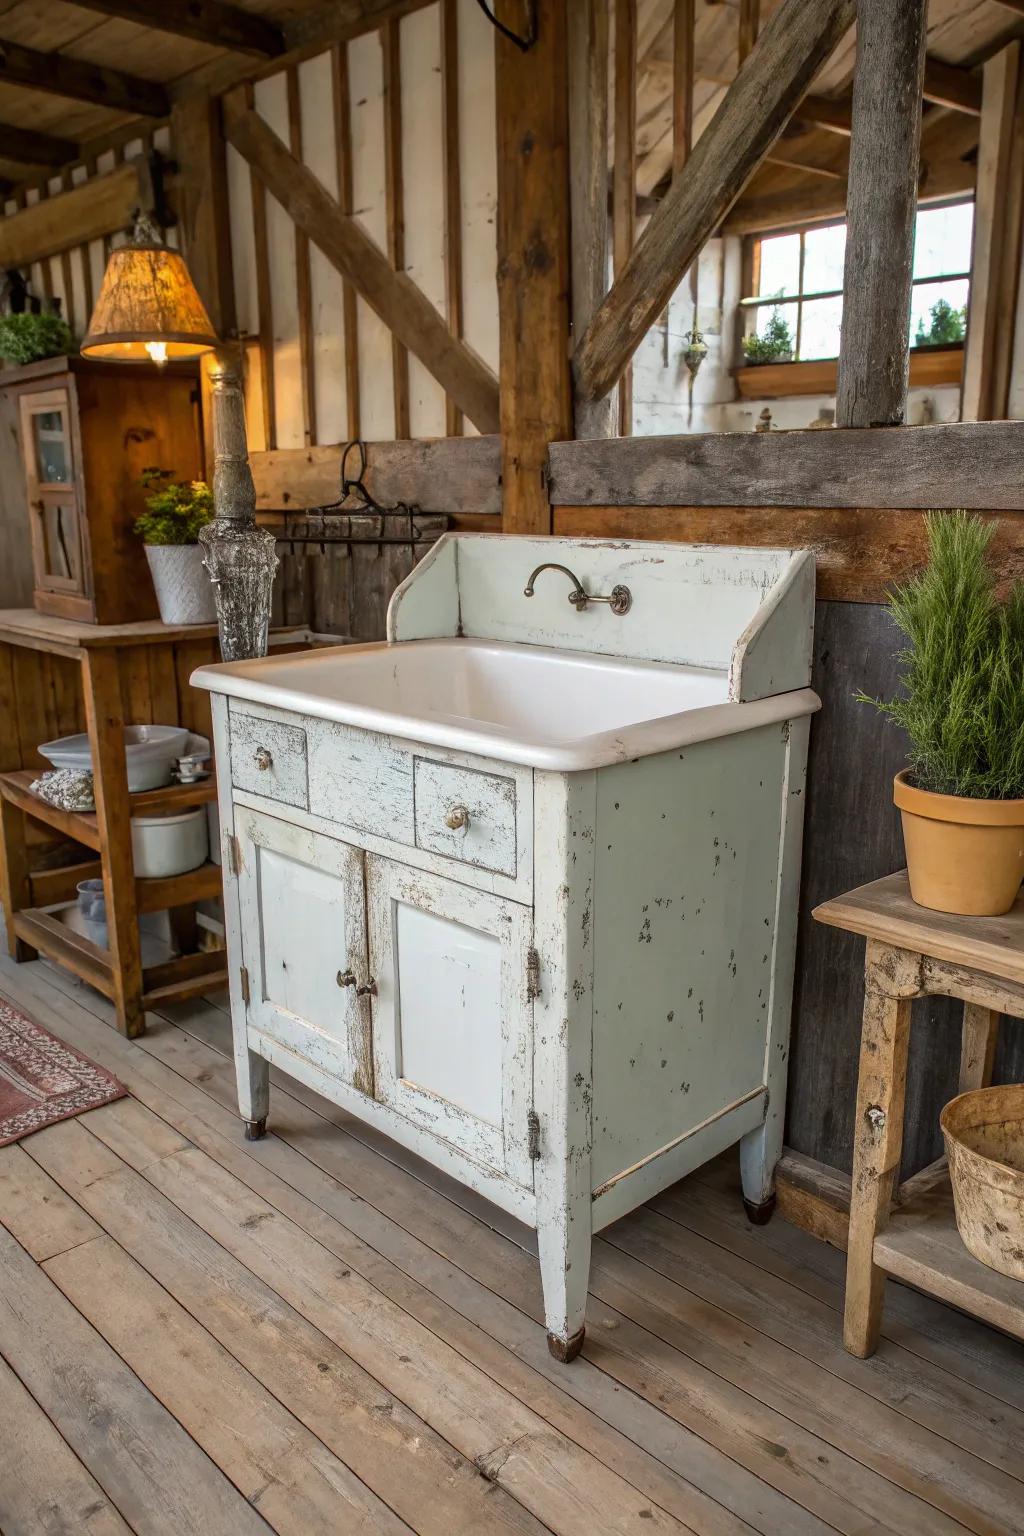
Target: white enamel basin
548, 708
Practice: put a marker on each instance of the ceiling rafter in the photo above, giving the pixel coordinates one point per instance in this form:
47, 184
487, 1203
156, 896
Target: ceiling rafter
30, 147
58, 75
204, 21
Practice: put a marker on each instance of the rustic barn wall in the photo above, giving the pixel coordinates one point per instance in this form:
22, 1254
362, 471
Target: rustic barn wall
311, 125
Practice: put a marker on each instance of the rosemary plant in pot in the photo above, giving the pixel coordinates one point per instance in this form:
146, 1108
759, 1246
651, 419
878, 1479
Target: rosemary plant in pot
170, 527
961, 797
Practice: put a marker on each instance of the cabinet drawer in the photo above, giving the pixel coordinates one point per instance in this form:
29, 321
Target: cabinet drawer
465, 815
268, 758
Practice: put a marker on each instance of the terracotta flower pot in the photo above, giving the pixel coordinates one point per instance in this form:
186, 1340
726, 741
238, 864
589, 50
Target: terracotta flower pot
964, 856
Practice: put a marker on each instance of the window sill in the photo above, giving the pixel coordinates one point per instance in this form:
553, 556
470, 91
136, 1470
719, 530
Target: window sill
929, 367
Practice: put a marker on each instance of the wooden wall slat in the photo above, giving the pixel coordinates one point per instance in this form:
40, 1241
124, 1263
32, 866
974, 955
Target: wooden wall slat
264, 301
390, 38
860, 551
349, 307
452, 187
303, 278
461, 474
624, 171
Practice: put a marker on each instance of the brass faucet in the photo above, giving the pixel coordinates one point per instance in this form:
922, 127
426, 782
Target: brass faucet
620, 599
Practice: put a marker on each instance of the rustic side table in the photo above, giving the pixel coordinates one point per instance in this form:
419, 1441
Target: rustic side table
911, 1232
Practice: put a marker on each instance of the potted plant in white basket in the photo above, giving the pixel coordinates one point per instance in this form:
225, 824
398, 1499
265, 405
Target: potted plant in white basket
170, 527
962, 796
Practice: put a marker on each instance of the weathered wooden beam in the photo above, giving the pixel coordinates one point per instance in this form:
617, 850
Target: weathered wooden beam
205, 21
588, 184
750, 17
946, 85
624, 174
797, 39
349, 301
101, 206
452, 190
203, 206
33, 148
391, 295
965, 464
533, 259
827, 112
303, 276
58, 75
995, 254
446, 474
684, 55
395, 205
885, 157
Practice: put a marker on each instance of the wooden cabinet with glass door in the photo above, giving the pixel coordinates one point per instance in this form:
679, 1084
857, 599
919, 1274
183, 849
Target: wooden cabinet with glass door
86, 432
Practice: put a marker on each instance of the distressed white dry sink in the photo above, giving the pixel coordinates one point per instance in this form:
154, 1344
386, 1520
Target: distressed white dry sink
519, 887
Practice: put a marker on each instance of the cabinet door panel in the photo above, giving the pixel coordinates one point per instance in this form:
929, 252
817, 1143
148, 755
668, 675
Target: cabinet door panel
303, 912
453, 1024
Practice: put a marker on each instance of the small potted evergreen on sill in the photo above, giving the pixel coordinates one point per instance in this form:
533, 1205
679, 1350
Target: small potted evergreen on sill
170, 530
961, 798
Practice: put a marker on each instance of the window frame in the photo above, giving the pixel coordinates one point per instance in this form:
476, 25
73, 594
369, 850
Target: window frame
748, 306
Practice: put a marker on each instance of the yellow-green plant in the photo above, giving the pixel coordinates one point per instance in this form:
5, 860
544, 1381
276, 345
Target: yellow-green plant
175, 510
962, 703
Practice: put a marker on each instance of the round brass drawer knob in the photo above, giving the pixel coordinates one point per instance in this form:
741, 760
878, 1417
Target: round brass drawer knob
457, 818
264, 761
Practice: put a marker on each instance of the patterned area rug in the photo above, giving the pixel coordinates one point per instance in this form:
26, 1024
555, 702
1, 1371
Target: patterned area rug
42, 1080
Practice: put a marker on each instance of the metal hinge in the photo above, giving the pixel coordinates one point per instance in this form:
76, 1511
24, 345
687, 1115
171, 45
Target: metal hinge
234, 855
243, 975
532, 974
533, 1134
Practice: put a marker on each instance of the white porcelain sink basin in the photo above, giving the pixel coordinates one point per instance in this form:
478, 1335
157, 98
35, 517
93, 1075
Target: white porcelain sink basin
556, 709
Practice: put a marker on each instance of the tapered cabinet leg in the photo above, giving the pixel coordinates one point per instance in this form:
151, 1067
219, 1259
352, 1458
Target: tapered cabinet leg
14, 877
878, 1146
253, 1074
760, 1151
564, 1247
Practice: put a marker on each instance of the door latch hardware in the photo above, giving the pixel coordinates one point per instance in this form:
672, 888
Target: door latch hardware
532, 975
367, 988
234, 855
346, 979
533, 1134
243, 976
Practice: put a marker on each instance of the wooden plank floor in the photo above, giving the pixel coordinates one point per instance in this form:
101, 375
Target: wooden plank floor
318, 1333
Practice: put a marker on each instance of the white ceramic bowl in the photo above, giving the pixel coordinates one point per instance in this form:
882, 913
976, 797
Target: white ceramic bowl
149, 750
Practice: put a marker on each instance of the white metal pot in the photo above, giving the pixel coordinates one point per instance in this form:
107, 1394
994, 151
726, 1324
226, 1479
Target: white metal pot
184, 591
169, 845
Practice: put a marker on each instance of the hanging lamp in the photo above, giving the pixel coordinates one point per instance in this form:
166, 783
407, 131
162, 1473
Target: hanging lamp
148, 309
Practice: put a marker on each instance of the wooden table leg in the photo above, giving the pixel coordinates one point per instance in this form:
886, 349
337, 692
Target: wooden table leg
101, 685
878, 1145
15, 867
977, 1052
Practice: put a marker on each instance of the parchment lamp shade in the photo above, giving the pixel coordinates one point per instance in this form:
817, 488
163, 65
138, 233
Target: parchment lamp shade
148, 309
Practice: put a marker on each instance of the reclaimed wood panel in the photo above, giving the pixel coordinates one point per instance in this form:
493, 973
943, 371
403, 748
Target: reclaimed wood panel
965, 464
434, 474
860, 552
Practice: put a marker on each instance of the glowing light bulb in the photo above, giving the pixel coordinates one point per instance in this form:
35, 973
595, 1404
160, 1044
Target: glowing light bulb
157, 350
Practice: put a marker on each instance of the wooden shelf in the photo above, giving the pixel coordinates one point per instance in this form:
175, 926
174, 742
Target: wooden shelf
82, 825
922, 1246
200, 884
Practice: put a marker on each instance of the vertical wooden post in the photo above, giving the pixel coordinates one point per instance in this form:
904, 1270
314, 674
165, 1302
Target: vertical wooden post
624, 171
749, 21
264, 300
303, 277
683, 75
995, 252
343, 148
533, 259
203, 206
449, 18
391, 49
874, 349
588, 186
